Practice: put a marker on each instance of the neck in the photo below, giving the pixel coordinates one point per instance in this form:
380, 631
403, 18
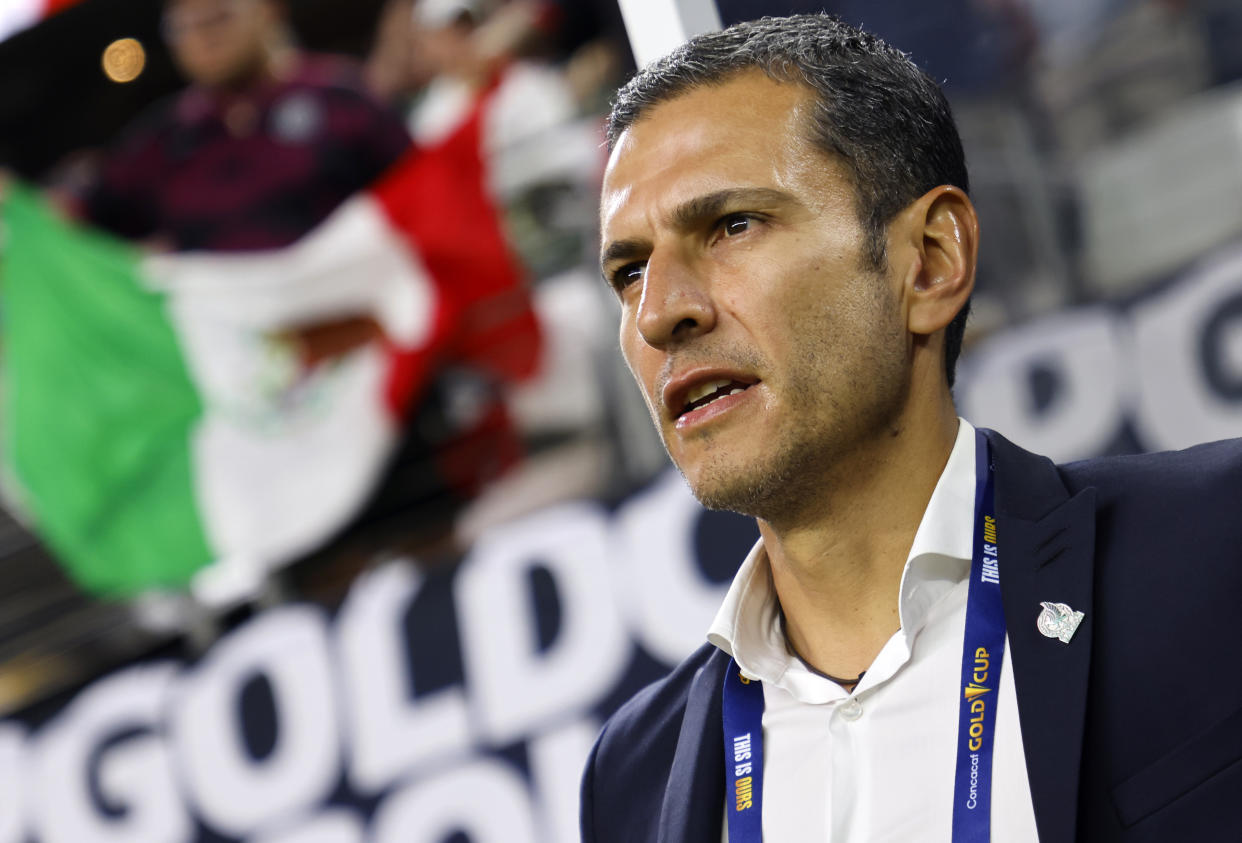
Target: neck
837, 568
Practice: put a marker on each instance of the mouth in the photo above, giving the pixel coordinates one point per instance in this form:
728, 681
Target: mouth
706, 399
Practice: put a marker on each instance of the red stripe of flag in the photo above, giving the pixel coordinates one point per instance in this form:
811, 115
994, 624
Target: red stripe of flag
437, 197
51, 7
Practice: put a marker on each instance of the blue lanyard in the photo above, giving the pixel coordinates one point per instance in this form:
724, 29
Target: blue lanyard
983, 648
743, 733
983, 651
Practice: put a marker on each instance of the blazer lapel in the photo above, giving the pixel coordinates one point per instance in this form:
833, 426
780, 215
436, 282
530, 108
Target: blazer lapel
693, 807
1047, 541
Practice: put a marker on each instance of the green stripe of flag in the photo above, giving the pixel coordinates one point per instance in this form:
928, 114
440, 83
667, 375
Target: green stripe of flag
98, 405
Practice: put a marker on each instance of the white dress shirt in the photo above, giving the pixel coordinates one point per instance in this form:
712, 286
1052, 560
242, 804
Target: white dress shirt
878, 764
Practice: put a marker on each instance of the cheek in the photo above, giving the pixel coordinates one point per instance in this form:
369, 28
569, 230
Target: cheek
639, 360
627, 338
777, 295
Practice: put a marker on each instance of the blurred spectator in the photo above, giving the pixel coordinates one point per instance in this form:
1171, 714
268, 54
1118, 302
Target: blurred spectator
264, 143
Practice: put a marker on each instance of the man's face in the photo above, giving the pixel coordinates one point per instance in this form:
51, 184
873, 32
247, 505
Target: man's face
219, 43
765, 344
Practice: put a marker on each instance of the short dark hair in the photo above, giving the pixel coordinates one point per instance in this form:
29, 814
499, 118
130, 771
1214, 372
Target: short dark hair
875, 109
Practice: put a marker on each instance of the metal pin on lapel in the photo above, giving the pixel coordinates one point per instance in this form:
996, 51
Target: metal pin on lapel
1059, 621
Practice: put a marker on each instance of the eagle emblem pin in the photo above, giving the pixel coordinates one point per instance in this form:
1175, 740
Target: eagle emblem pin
1058, 621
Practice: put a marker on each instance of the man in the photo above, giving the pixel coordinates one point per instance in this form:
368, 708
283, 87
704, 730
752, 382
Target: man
786, 224
264, 143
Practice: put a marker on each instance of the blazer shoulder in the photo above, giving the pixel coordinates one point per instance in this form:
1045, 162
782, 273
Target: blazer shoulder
657, 707
1188, 490
1155, 506
633, 755
1196, 473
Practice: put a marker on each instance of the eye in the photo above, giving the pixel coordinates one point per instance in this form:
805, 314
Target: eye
627, 275
734, 224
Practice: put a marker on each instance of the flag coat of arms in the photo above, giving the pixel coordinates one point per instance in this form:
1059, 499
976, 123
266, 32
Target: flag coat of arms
156, 415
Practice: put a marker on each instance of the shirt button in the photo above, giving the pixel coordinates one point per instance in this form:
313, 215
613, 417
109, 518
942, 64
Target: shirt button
851, 709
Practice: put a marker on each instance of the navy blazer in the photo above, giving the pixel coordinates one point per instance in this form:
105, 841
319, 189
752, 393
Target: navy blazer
1132, 730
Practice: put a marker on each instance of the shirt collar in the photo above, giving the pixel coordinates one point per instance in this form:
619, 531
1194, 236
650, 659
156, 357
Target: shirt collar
747, 626
939, 557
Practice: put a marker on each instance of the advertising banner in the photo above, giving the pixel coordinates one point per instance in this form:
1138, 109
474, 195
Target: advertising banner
448, 705
1159, 372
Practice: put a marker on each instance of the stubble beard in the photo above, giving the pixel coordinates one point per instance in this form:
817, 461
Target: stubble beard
828, 421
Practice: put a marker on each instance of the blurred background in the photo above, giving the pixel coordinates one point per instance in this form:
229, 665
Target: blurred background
329, 510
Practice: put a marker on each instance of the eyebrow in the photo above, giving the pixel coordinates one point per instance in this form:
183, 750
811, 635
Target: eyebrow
694, 212
621, 251
709, 206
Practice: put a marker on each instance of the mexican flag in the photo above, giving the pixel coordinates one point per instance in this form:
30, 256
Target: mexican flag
159, 414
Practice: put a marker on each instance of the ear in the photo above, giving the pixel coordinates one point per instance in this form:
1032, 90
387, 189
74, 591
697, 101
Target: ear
943, 228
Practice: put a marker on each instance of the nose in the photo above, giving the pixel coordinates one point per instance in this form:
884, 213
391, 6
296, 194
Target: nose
676, 303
